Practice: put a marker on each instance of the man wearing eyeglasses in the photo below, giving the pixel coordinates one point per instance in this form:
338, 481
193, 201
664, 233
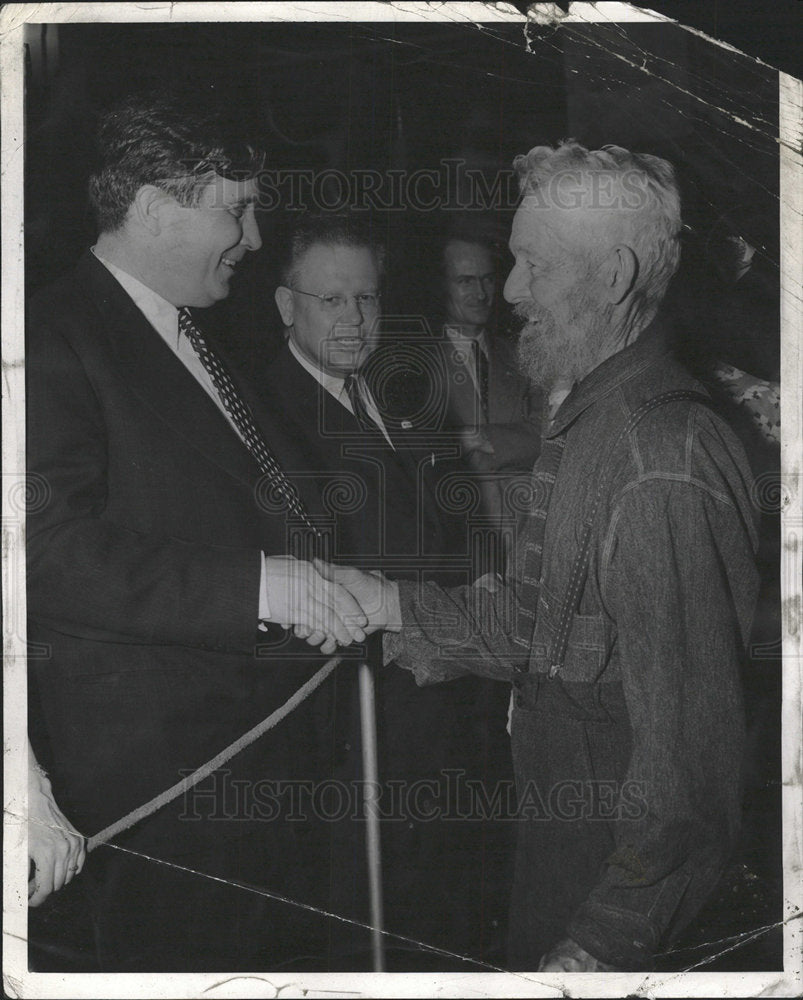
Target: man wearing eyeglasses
368, 471
331, 332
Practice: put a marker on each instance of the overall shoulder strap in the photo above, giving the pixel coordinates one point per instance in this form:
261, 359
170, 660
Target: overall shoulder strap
579, 571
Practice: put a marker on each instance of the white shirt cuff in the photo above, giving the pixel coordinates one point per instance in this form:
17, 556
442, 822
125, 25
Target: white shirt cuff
264, 607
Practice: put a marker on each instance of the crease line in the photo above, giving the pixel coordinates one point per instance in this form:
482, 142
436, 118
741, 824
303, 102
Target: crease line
738, 939
750, 936
765, 929
325, 913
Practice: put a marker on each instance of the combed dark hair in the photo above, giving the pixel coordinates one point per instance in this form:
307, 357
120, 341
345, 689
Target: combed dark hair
159, 140
329, 229
476, 232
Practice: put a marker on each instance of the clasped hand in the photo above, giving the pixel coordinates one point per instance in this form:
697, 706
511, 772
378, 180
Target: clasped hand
330, 605
56, 850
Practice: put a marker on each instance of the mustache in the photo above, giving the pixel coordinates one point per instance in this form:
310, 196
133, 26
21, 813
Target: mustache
526, 314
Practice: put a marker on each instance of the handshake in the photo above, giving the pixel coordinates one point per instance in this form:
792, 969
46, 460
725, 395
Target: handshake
328, 605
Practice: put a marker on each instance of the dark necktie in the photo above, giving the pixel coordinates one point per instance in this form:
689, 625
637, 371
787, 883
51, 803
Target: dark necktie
243, 420
481, 360
357, 400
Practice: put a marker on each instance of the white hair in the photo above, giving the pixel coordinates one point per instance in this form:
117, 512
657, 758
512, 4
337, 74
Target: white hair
641, 188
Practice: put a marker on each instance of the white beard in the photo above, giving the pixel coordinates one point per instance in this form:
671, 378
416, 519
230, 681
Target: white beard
549, 354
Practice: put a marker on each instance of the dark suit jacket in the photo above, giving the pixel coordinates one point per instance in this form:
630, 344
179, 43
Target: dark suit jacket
143, 566
513, 423
383, 504
430, 378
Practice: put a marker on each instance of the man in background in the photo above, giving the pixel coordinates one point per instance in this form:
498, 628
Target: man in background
498, 411
373, 474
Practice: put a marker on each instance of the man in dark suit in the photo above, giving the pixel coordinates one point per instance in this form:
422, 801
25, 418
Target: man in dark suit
379, 472
488, 396
153, 561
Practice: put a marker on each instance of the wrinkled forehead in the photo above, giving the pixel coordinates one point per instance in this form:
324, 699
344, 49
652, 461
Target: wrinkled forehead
541, 225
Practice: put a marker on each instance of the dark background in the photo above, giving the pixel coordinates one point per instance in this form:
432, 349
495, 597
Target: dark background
766, 29
407, 97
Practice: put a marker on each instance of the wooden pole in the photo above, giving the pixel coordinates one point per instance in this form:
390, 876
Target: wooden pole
373, 850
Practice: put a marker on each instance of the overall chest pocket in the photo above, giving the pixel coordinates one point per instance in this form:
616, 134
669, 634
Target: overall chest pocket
577, 720
588, 648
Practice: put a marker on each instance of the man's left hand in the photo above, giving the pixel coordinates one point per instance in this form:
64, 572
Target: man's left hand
56, 850
568, 956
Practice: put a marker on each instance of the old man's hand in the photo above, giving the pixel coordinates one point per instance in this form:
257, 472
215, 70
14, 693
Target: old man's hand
377, 596
568, 956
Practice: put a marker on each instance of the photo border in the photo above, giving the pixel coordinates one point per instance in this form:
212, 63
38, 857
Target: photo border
17, 980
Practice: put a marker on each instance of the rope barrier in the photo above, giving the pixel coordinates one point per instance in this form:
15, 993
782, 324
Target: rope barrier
218, 761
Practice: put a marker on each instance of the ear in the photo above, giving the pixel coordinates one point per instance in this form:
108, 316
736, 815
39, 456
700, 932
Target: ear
149, 208
619, 273
284, 303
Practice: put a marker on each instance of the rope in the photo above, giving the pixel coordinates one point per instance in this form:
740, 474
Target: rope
212, 765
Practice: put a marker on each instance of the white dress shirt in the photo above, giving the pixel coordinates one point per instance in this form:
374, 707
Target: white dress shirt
463, 343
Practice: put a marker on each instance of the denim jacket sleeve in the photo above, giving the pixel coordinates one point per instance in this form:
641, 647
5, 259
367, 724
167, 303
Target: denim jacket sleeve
679, 616
481, 629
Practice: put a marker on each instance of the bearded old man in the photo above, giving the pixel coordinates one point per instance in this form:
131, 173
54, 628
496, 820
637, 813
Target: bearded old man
627, 604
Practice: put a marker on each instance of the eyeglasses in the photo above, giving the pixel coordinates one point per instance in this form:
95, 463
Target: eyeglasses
366, 301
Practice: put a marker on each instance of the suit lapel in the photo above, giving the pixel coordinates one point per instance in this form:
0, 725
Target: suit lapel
301, 402
313, 435
464, 408
159, 379
288, 405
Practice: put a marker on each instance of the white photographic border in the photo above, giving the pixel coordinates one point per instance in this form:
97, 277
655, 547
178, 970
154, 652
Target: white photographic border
21, 983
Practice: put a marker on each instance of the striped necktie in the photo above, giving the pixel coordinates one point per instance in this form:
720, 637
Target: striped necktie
243, 420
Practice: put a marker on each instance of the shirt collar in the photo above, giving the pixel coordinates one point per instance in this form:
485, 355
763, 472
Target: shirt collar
651, 344
160, 313
333, 385
455, 333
